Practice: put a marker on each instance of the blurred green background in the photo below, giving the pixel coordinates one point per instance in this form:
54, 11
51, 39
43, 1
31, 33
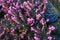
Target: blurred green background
56, 4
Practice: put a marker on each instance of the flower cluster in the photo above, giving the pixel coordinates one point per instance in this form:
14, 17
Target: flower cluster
24, 21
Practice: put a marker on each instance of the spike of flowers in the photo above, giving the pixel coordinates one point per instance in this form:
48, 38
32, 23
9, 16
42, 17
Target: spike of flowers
23, 21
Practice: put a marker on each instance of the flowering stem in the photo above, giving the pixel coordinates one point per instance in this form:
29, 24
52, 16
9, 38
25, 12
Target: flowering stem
49, 32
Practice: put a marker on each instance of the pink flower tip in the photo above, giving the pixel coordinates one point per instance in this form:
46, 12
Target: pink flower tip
30, 20
42, 12
21, 6
52, 28
49, 37
38, 16
32, 29
47, 20
36, 38
25, 3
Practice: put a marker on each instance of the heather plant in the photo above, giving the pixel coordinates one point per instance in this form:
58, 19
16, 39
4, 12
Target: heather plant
25, 21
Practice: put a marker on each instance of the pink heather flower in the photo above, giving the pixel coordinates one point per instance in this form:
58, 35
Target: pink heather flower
14, 8
29, 3
21, 6
7, 38
36, 2
32, 29
29, 38
25, 3
1, 0
10, 8
12, 30
38, 16
36, 10
45, 1
6, 15
27, 13
47, 20
3, 6
30, 20
22, 36
35, 34
9, 19
52, 28
42, 12
12, 0
36, 38
49, 37
14, 19
4, 28
2, 33
9, 11
17, 6
35, 31
42, 21
18, 0
8, 1
13, 3
18, 10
